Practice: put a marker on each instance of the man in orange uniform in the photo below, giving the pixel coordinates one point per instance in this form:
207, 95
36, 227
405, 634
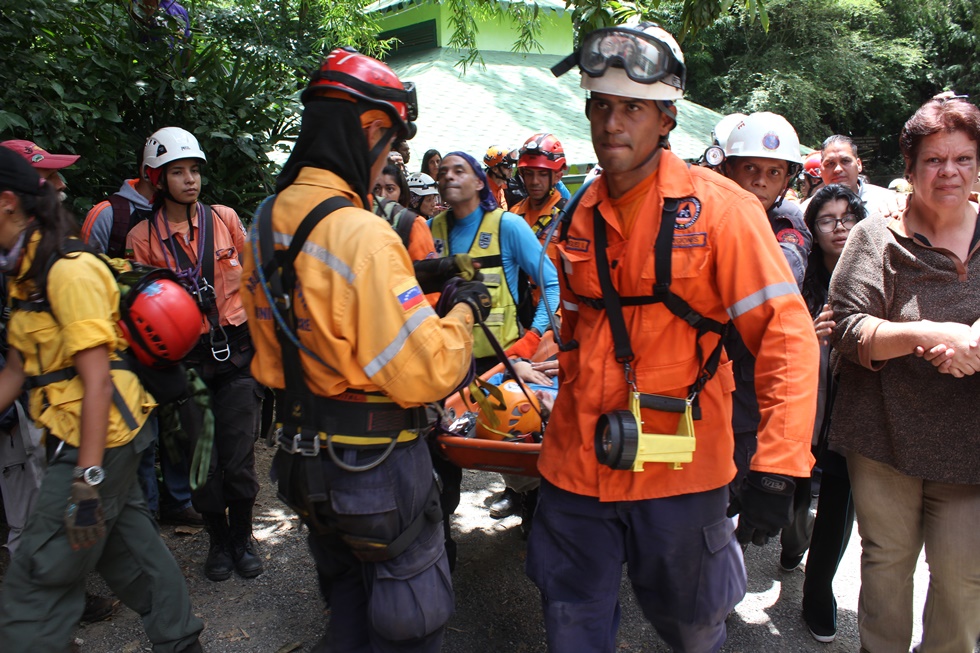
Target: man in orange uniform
667, 524
343, 333
541, 164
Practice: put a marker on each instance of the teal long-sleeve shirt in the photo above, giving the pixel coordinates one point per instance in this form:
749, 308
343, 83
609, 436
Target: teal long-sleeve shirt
520, 249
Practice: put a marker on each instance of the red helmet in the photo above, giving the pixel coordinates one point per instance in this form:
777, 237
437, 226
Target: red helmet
346, 69
508, 413
160, 320
542, 151
812, 164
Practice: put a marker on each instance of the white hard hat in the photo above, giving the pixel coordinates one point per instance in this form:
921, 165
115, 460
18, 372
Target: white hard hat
724, 128
764, 134
170, 144
638, 61
422, 184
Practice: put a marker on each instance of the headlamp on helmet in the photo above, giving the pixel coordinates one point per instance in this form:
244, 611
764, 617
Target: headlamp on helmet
542, 151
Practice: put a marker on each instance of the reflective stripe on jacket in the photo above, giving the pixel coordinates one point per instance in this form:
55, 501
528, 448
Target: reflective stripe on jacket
358, 305
726, 265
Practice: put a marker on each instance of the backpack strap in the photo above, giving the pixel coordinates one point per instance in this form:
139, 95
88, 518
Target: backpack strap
43, 305
125, 216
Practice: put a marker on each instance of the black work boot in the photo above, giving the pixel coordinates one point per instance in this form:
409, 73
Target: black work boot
508, 504
247, 563
218, 566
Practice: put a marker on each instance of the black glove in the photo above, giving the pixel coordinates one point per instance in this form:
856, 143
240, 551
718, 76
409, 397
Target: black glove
766, 503
433, 273
476, 296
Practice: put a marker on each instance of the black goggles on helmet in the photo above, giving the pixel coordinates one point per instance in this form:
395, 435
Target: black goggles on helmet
375, 92
534, 149
644, 58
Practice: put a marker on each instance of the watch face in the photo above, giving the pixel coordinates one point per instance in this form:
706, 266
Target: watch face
93, 475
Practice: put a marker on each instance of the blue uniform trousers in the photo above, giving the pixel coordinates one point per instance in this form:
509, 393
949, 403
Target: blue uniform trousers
682, 559
397, 605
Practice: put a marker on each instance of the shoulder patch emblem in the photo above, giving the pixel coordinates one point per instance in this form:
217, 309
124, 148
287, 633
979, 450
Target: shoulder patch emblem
485, 239
578, 244
791, 236
688, 213
440, 245
699, 239
409, 295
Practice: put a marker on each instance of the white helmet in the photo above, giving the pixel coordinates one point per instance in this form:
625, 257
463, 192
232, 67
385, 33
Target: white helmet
637, 61
724, 128
767, 135
422, 184
170, 144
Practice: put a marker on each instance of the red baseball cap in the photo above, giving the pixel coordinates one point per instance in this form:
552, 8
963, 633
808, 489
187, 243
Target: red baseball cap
39, 158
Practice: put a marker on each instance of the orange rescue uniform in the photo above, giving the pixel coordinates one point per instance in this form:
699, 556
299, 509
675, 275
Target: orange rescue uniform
229, 243
356, 305
540, 219
726, 265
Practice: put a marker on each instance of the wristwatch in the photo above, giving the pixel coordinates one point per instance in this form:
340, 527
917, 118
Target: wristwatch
89, 475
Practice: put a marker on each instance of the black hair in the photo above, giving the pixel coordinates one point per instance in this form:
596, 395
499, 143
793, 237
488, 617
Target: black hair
55, 224
395, 172
837, 139
816, 281
428, 157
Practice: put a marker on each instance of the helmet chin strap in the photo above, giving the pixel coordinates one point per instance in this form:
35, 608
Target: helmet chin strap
382, 143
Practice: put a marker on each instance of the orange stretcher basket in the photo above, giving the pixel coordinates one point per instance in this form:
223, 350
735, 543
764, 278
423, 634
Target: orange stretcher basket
519, 458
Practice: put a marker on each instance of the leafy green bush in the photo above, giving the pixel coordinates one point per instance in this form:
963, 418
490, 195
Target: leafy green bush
84, 77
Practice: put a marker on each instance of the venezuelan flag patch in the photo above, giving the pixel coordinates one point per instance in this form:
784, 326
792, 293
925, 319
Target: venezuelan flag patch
409, 295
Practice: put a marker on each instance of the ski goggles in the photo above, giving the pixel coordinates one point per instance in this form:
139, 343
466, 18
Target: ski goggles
644, 58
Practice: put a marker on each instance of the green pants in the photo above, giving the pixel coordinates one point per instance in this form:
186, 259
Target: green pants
43, 594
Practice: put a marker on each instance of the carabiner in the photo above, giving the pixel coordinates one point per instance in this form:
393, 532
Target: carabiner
220, 348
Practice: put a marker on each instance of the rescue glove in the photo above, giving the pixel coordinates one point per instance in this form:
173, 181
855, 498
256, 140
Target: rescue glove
526, 346
476, 295
433, 273
84, 521
766, 507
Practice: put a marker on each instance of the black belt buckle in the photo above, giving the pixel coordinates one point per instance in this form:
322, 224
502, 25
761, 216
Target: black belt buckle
303, 442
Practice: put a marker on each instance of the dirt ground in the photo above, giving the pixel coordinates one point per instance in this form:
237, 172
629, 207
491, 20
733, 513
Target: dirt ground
497, 607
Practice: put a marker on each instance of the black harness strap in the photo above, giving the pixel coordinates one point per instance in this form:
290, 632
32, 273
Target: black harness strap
68, 373
298, 408
207, 298
613, 303
614, 309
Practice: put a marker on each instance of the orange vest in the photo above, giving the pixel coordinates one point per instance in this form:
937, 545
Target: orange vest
726, 265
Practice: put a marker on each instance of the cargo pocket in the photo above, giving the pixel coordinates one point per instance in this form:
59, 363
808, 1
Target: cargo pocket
722, 580
412, 594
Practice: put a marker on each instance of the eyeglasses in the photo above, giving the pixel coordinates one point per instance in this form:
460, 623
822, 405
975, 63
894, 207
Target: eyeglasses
829, 225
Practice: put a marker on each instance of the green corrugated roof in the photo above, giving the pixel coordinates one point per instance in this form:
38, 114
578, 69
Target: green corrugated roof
387, 6
514, 97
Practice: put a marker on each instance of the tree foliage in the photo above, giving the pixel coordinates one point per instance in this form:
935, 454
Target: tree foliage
100, 83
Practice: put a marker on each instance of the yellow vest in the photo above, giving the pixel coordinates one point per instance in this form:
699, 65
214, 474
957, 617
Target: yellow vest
502, 321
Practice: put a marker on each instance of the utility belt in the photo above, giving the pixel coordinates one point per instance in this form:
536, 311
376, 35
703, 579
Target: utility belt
358, 420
